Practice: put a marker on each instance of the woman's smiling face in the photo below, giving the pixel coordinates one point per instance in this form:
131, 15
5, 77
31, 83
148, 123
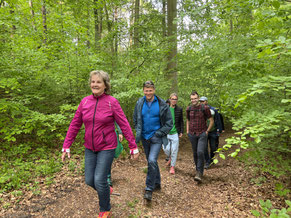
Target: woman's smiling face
97, 85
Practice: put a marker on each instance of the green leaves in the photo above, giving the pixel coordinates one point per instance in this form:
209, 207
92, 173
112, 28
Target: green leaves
276, 4
267, 210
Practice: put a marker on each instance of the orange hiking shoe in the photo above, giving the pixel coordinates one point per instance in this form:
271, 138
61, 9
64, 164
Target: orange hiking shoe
105, 214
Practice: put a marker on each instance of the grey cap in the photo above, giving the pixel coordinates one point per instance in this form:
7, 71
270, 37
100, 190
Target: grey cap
203, 98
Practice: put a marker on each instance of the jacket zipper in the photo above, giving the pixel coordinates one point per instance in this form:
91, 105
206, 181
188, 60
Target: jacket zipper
94, 125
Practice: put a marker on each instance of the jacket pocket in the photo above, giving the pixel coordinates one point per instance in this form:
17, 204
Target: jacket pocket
104, 139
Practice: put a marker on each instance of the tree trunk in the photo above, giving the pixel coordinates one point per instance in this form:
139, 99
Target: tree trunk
172, 40
164, 24
110, 24
136, 23
131, 24
88, 27
13, 29
98, 24
32, 14
116, 34
43, 10
230, 28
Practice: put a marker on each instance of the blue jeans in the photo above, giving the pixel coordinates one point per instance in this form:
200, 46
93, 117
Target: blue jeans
212, 139
97, 167
171, 150
152, 149
198, 146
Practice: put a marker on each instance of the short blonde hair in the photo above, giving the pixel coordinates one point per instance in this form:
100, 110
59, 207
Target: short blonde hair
104, 76
173, 94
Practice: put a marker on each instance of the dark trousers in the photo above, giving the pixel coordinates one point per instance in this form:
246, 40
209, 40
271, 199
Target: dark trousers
212, 141
198, 147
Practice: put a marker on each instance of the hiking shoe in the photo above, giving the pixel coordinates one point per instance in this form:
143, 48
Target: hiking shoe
172, 170
111, 189
105, 214
148, 195
198, 177
157, 187
206, 166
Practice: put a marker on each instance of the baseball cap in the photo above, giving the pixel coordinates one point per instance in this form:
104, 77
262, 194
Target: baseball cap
203, 98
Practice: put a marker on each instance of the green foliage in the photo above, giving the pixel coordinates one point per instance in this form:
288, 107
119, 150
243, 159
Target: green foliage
267, 123
280, 190
267, 210
23, 163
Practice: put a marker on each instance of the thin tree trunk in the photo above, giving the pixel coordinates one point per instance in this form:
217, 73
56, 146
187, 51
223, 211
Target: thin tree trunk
230, 28
88, 27
172, 37
110, 23
164, 24
116, 32
43, 10
13, 29
131, 24
32, 14
98, 24
136, 23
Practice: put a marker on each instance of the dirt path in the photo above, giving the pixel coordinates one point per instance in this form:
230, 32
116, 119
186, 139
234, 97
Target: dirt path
226, 191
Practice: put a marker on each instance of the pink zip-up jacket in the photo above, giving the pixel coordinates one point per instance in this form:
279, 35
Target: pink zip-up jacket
98, 115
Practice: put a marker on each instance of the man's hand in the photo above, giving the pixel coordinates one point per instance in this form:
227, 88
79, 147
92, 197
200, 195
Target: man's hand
64, 155
180, 135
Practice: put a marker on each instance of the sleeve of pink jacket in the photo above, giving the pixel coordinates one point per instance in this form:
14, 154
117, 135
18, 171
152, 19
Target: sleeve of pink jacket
74, 128
123, 123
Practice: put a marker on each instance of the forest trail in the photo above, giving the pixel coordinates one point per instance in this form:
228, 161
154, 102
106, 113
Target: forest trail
226, 191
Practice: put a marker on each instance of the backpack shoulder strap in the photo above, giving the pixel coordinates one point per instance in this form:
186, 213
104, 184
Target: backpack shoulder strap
203, 111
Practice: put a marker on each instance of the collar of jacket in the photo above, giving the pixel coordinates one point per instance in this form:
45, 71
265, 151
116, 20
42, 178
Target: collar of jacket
99, 96
145, 100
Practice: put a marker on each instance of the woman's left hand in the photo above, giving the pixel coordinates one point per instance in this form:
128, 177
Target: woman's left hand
135, 156
120, 137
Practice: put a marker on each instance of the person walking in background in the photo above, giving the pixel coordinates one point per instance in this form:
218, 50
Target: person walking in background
153, 121
213, 135
171, 149
98, 112
197, 130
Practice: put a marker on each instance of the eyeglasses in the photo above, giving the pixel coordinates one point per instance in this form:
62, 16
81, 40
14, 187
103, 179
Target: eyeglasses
174, 99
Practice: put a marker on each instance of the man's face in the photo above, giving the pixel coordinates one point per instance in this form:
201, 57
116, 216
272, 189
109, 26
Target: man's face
194, 99
149, 93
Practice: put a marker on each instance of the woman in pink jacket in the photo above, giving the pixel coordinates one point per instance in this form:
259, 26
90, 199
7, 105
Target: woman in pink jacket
98, 113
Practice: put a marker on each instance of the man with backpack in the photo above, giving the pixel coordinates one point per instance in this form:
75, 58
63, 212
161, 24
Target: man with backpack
213, 136
197, 114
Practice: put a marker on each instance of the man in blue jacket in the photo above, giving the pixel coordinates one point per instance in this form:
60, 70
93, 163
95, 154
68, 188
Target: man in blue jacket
153, 121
